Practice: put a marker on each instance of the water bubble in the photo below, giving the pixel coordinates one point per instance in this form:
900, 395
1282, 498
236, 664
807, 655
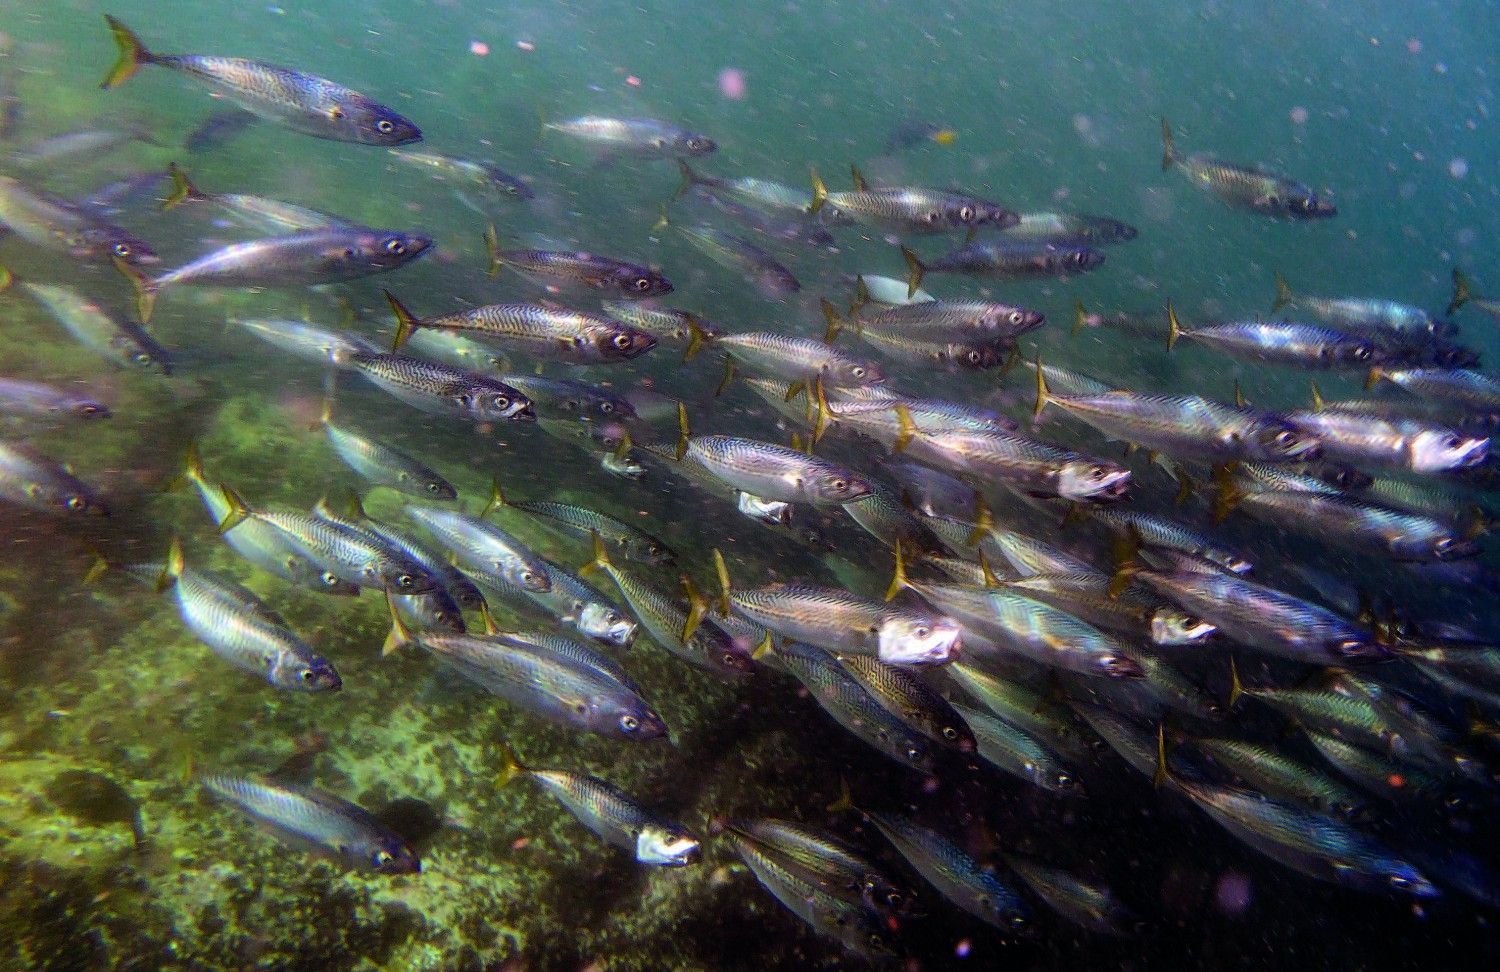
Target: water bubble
1413, 46
732, 83
479, 48
1299, 115
1233, 893
1458, 168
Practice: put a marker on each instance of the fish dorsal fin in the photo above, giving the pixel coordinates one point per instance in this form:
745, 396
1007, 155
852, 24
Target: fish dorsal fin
1317, 397
722, 570
860, 185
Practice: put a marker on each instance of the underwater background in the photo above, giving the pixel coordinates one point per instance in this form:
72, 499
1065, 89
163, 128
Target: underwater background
113, 857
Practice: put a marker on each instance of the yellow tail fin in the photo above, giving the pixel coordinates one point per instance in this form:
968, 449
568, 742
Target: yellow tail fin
1461, 293
183, 189
400, 635
132, 54
1174, 327
492, 250
1284, 294
898, 575
144, 287
511, 766
915, 270
406, 321
819, 193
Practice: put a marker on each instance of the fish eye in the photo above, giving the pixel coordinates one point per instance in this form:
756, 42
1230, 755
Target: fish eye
986, 902
932, 217
839, 485
912, 753
141, 358
406, 581
921, 631
621, 341
607, 408
75, 503
1097, 473
329, 578
1063, 779
122, 250
89, 408
434, 488
384, 126
875, 940
1398, 880
974, 357
1273, 201
1443, 544
1452, 442
1077, 259
629, 723
383, 857
528, 575
395, 246
1015, 317
1361, 353
307, 675
949, 732
336, 113
499, 402
966, 213
858, 371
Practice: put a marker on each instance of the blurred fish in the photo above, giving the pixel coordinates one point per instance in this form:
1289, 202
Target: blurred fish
254, 212
662, 323
611, 814
308, 341
483, 547
1347, 435
479, 185
736, 254
53, 223
1070, 229
1267, 770
113, 198
833, 865
37, 400
640, 137
1278, 342
27, 479
1254, 188
438, 389
760, 195
914, 131
1090, 906
383, 464
960, 878
909, 209
1375, 318
1012, 751
92, 142
909, 699
624, 540
772, 472
796, 360
302, 102
329, 824
540, 331
123, 342
218, 129
1464, 294
1005, 260
574, 604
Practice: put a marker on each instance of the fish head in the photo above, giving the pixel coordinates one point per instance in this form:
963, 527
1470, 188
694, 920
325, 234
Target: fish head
1446, 547
387, 249
977, 212
1012, 321
769, 512
1103, 229
918, 639
1405, 879
1078, 259
1285, 443
666, 845
390, 855
886, 898
1092, 480
654, 553
839, 486
623, 343
75, 502
303, 674
466, 595
693, 145
330, 583
87, 408
1172, 627
998, 908
489, 401
371, 123
853, 374
1358, 648
640, 723
627, 468
982, 357
1352, 353
638, 283
401, 576
1438, 451
1308, 206
137, 355
528, 574
1117, 664
606, 624
439, 489
505, 183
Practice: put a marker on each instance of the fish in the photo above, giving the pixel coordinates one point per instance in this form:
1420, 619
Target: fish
301, 102
1463, 293
1012, 751
608, 812
572, 603
483, 547
1450, 387
33, 481
909, 209
914, 131
830, 863
773, 472
1413, 444
112, 198
539, 331
218, 129
122, 342
620, 279
305, 816
549, 677
92, 142
464, 594
570, 398
796, 360
759, 195
888, 291
937, 320
54, 223
256, 213
622, 539
1090, 906
306, 258
1131, 611
260, 542
1027, 465
38, 400
1278, 342
1004, 259
857, 928
909, 699
951, 870
853, 706
672, 625
1376, 318
1070, 229
310, 342
737, 254
1256, 189
240, 628
383, 464
438, 389
1267, 770
640, 137
1262, 617
662, 323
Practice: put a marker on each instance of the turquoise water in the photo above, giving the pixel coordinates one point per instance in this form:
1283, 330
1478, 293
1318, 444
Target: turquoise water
1384, 108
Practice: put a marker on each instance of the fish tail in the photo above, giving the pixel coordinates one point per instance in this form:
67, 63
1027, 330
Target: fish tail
819, 193
512, 767
1240, 400
1461, 293
984, 521
132, 54
1235, 688
861, 294
915, 270
239, 510
406, 322
682, 431
844, 801
183, 189
6, 278
1042, 395
1080, 318
1226, 494
172, 569
696, 337
492, 249
898, 575
990, 580
600, 558
858, 178
907, 425
662, 222
400, 635
145, 289
1160, 775
1317, 397
1168, 153
697, 608
1284, 293
496, 500
1174, 327
820, 414
1373, 378
722, 570
193, 463
689, 179
834, 321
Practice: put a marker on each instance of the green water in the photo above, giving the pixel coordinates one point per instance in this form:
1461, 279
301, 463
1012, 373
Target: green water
1054, 106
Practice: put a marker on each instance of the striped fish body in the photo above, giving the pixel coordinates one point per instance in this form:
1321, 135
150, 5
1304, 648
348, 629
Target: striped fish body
774, 472
356, 556
641, 137
47, 221
1191, 427
385, 465
484, 548
616, 278
125, 343
954, 873
440, 389
548, 333
797, 359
